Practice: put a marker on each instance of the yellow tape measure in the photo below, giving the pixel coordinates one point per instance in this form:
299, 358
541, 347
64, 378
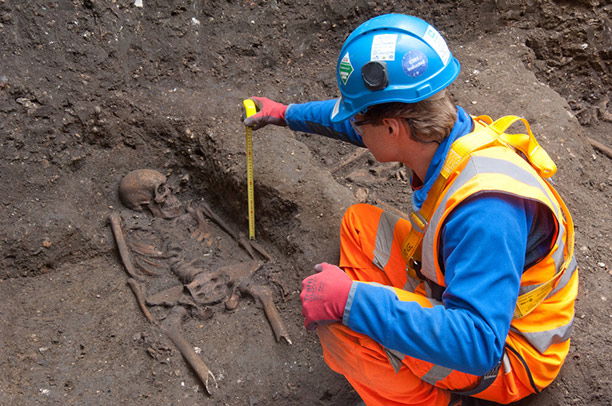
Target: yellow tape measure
249, 110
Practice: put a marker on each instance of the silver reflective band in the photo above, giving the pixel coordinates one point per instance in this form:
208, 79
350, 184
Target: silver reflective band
506, 363
411, 283
436, 373
384, 239
476, 165
565, 278
541, 340
395, 358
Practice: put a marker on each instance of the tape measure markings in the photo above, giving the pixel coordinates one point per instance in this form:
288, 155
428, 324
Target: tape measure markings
250, 109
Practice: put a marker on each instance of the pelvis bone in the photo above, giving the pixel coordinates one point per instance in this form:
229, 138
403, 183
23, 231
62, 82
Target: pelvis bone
209, 287
206, 287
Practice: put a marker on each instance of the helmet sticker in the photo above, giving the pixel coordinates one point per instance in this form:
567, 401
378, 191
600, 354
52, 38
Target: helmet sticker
345, 69
383, 47
414, 63
435, 40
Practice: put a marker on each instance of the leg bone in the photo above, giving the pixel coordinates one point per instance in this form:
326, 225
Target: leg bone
172, 328
264, 295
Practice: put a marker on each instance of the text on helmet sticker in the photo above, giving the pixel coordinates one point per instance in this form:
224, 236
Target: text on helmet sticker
345, 69
383, 47
435, 40
414, 63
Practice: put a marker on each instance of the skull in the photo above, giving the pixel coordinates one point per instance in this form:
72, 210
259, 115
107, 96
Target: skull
147, 188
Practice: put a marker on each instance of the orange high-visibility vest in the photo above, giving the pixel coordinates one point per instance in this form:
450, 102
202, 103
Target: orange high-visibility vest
540, 329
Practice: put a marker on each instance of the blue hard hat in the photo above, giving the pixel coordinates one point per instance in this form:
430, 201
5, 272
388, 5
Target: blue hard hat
391, 58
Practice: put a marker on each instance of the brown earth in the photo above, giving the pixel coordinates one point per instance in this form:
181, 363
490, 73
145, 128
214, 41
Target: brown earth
92, 89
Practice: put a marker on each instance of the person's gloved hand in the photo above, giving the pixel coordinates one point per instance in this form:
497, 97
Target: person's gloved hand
269, 112
324, 295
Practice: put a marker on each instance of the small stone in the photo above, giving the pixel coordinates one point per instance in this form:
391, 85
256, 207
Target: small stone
46, 243
601, 265
605, 299
361, 195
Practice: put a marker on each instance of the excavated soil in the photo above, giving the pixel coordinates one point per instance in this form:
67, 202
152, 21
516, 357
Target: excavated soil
92, 89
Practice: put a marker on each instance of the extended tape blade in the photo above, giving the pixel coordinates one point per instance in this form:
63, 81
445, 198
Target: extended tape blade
250, 109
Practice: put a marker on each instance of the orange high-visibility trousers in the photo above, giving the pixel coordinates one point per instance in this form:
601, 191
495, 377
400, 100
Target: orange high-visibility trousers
364, 362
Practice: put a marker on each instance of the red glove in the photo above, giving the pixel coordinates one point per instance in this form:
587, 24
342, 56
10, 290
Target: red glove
268, 112
324, 295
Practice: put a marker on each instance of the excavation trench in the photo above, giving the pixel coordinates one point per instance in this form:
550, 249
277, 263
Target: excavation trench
194, 266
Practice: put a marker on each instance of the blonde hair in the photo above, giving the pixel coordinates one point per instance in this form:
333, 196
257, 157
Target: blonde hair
430, 120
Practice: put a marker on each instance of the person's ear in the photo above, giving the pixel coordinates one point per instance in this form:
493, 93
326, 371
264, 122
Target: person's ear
393, 125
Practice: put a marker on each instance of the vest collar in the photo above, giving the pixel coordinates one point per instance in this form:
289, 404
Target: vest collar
462, 126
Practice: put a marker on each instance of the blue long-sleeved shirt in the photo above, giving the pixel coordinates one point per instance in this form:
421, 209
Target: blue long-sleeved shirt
486, 243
